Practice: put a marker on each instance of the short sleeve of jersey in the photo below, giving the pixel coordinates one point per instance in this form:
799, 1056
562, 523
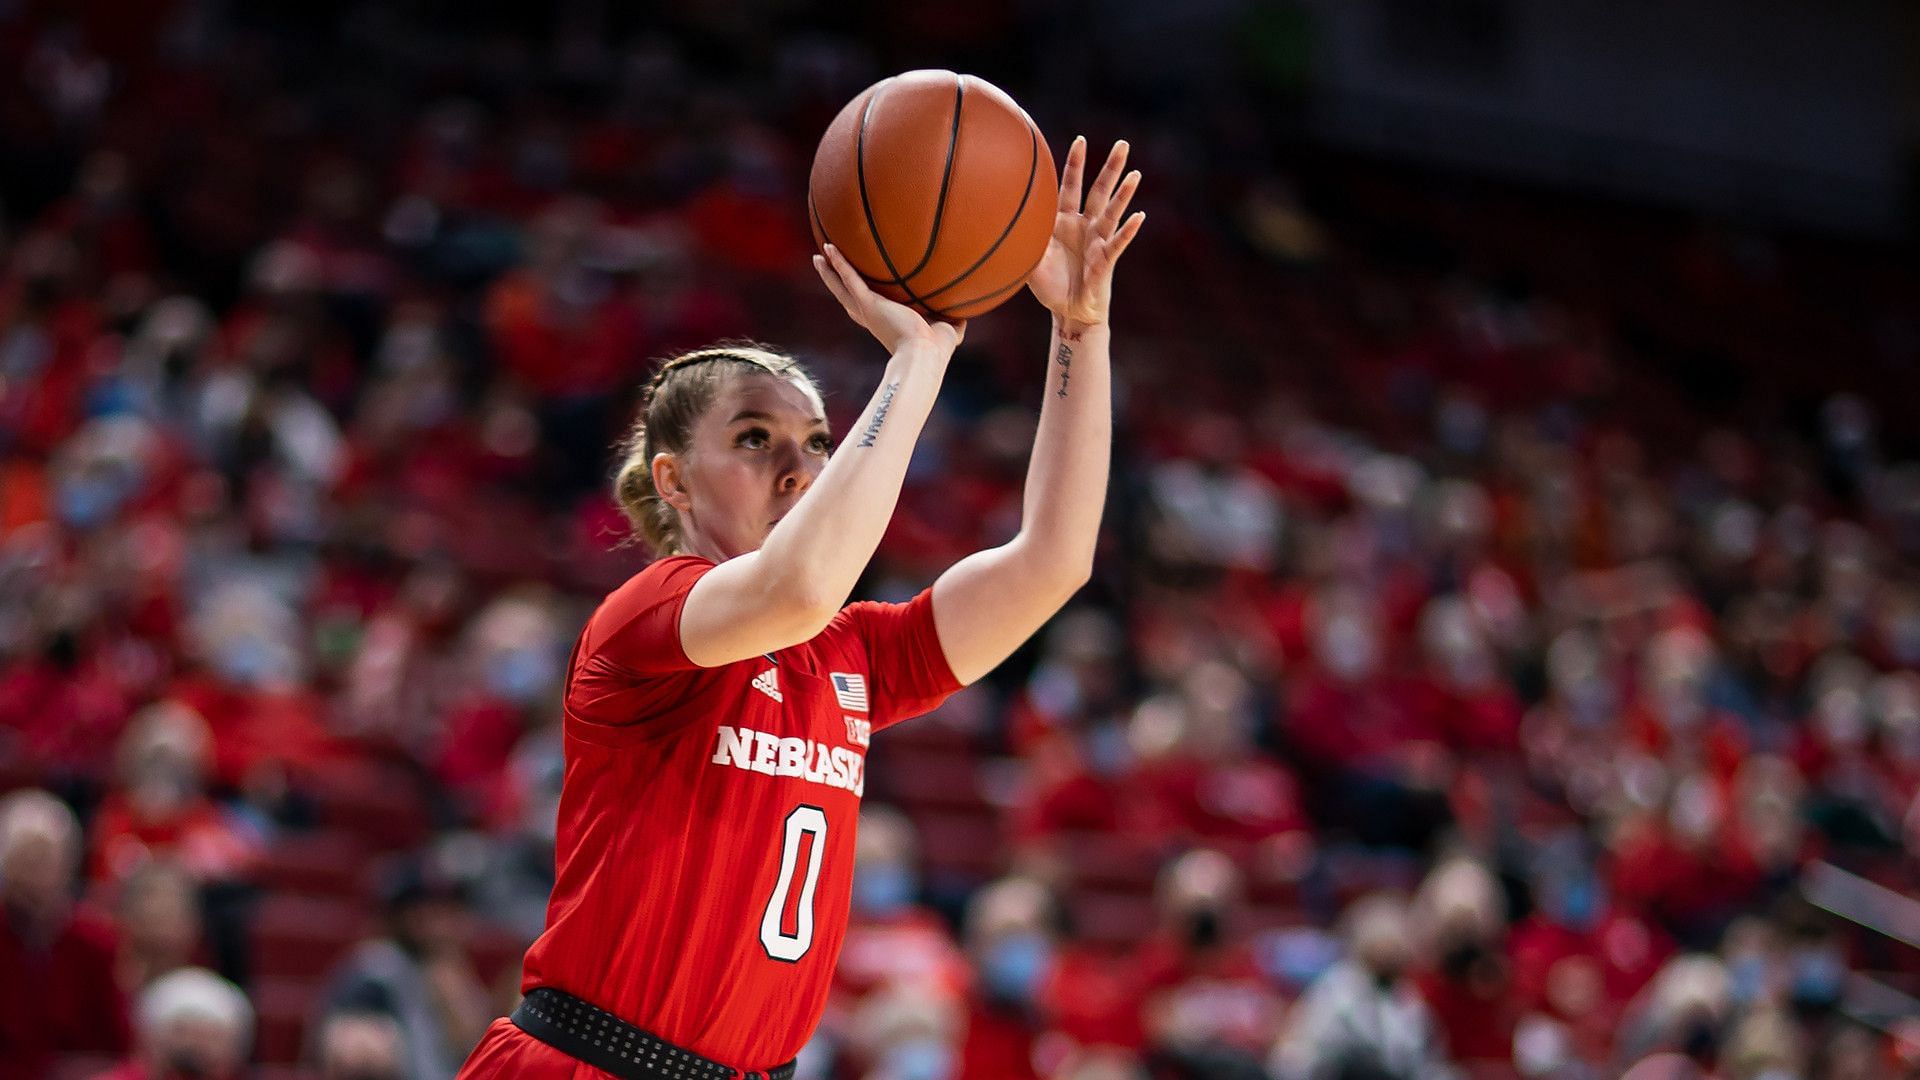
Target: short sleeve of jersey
630, 674
908, 668
637, 628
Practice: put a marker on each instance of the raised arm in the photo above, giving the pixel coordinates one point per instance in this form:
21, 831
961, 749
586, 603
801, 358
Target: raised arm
986, 604
786, 591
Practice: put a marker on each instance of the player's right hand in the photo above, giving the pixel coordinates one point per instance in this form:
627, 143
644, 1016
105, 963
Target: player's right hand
891, 323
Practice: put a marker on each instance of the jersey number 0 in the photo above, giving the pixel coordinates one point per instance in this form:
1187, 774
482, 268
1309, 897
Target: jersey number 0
806, 826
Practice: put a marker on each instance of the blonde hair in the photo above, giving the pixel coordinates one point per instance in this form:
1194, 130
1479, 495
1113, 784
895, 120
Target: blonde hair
679, 393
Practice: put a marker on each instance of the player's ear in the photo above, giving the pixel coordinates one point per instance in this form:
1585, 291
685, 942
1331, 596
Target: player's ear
669, 479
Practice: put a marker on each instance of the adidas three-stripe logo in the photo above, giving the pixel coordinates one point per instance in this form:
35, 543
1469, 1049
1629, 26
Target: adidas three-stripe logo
768, 683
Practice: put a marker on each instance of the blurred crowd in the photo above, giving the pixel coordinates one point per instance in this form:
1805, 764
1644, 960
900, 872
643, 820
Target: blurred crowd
1463, 692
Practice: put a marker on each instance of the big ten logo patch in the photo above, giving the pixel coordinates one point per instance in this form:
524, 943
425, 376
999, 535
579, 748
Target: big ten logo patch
859, 731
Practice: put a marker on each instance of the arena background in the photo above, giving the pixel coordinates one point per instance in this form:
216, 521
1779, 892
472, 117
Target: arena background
1501, 657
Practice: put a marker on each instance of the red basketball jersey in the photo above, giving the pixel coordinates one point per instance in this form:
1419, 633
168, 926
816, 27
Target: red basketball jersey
705, 842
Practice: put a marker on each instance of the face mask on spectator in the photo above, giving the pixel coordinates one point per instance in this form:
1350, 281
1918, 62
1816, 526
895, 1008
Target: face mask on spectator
1461, 958
1461, 425
1385, 979
1747, 979
243, 660
521, 675
1348, 648
85, 502
1903, 638
1297, 956
1105, 751
187, 1065
1203, 928
63, 650
1575, 905
882, 889
1014, 966
1591, 703
162, 788
920, 1059
1817, 980
1699, 1038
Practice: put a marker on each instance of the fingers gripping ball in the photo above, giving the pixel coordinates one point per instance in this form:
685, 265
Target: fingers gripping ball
938, 188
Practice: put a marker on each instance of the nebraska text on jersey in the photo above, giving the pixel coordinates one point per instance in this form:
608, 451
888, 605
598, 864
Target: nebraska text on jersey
774, 755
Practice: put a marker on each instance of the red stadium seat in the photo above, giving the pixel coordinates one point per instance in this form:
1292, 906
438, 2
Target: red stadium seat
966, 843
323, 864
282, 1008
929, 778
1110, 861
1106, 918
300, 937
80, 1067
378, 803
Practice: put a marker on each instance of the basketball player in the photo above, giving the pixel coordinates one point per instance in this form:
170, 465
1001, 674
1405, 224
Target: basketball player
719, 704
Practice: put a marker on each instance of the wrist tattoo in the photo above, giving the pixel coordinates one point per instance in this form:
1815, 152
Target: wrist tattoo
1064, 358
879, 415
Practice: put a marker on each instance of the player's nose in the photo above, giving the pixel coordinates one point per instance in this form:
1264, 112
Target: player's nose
794, 473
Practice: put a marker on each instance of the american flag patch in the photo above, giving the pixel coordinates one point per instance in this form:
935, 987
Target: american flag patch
851, 690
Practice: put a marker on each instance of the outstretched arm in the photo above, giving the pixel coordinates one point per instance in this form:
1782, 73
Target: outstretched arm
786, 591
985, 605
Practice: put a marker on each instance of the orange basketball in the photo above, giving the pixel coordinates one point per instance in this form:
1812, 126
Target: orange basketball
938, 188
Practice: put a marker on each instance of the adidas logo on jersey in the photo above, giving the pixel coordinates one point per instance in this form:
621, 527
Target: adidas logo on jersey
768, 683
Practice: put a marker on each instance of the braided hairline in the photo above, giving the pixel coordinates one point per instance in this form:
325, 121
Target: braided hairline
783, 367
720, 352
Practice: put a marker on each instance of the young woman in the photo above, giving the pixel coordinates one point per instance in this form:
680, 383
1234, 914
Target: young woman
719, 704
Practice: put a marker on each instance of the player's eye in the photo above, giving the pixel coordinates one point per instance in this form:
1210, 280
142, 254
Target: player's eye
752, 439
822, 444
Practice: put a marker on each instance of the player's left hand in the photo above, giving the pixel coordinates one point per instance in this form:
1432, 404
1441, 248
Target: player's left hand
1075, 277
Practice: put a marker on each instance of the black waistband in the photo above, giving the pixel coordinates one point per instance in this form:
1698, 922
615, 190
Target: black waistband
609, 1043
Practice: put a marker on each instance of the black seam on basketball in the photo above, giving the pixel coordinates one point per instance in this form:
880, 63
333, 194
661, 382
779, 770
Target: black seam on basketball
943, 311
873, 230
946, 178
814, 209
1033, 168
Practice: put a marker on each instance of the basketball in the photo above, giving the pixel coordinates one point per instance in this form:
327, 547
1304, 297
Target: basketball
939, 189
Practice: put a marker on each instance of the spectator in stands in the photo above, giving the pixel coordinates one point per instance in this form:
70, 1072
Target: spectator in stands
1849, 1052
1684, 1012
1207, 1007
1067, 721
515, 652
1364, 1017
907, 1031
360, 1045
193, 1025
514, 888
1763, 1045
1579, 958
160, 921
418, 972
57, 987
1211, 510
1372, 758
1468, 982
1011, 937
891, 936
1196, 776
160, 807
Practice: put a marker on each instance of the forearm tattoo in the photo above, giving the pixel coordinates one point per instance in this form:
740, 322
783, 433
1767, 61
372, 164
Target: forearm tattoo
1064, 358
879, 415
